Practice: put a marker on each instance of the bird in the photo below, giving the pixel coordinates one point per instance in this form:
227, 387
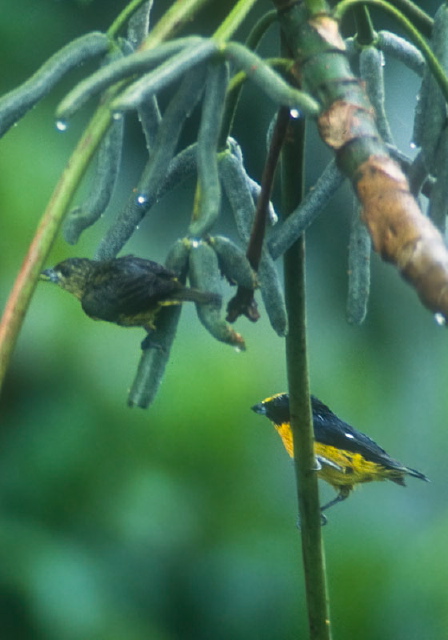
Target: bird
128, 291
345, 457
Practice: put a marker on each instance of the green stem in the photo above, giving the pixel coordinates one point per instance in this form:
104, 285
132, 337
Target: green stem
228, 27
123, 17
23, 289
420, 19
365, 33
234, 92
236, 84
419, 41
180, 13
284, 64
299, 396
259, 29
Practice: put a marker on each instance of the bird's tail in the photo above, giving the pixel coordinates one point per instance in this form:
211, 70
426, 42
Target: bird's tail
198, 296
398, 475
416, 474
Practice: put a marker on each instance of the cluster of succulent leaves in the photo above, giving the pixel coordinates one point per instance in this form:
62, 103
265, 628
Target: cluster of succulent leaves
211, 72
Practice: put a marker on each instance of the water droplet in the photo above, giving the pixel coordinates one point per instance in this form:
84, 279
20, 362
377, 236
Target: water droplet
142, 199
61, 125
294, 113
273, 217
117, 115
194, 243
440, 319
413, 145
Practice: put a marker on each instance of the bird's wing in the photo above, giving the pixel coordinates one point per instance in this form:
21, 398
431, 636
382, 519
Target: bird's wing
332, 431
125, 288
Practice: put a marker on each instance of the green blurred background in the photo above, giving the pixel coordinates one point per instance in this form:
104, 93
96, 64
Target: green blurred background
179, 522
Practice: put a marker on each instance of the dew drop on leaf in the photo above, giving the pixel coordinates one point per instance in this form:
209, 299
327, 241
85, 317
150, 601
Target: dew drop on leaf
61, 125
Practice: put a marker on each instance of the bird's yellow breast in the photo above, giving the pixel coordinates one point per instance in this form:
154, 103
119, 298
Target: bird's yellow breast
349, 468
344, 468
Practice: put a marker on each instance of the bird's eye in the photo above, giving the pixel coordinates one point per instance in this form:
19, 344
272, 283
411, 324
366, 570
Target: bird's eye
64, 270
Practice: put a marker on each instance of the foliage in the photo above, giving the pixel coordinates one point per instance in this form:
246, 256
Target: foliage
111, 501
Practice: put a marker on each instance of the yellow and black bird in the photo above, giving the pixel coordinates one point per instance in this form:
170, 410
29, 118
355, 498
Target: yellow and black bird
345, 457
128, 291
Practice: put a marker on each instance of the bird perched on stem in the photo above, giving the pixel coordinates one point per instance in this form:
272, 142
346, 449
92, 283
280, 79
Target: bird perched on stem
128, 291
345, 457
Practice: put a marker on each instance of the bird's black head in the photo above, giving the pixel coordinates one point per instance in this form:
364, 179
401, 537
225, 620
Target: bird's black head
276, 408
71, 274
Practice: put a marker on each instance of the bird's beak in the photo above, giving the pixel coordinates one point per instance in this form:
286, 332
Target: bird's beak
259, 408
49, 275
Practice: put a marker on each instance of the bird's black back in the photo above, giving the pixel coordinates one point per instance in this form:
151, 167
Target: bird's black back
127, 286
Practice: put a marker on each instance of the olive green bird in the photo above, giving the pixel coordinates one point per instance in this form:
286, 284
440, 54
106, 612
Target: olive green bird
127, 291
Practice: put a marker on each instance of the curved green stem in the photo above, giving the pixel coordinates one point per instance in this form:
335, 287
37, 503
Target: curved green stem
259, 29
234, 91
236, 84
240, 77
20, 297
419, 41
123, 17
420, 18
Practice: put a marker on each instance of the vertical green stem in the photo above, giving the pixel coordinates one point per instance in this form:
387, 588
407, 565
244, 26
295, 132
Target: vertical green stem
365, 33
301, 418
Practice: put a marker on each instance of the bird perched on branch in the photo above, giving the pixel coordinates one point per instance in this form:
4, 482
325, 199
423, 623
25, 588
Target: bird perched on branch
345, 457
128, 291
